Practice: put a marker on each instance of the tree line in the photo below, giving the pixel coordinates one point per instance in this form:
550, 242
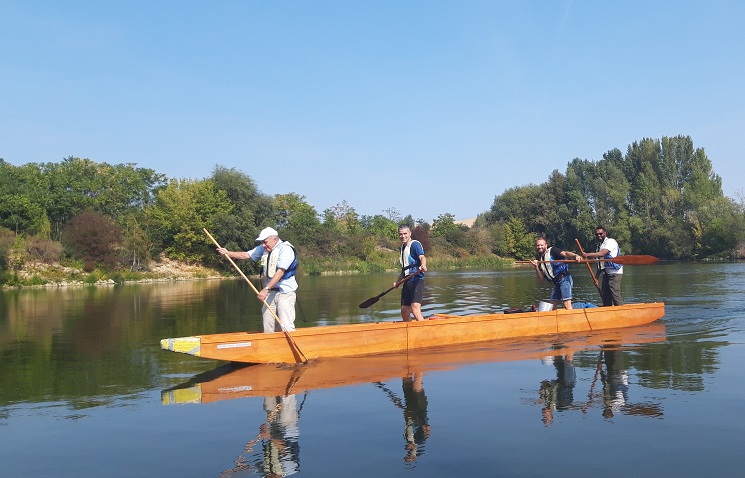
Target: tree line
662, 197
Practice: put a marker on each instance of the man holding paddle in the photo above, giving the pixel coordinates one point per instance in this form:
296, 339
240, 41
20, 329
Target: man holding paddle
413, 262
550, 265
278, 267
610, 272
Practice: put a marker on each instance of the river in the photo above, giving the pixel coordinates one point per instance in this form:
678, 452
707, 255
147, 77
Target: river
87, 391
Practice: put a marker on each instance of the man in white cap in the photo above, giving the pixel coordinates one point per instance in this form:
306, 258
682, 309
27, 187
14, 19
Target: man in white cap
278, 266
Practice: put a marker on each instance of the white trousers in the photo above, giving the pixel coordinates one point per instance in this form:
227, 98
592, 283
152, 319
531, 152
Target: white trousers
283, 304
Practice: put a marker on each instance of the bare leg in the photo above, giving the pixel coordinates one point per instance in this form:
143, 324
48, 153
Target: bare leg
416, 309
406, 313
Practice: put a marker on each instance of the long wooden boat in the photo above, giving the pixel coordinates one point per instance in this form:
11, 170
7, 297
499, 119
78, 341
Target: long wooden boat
386, 337
230, 381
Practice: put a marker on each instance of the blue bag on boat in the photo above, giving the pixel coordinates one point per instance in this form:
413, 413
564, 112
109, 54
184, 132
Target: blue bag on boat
583, 305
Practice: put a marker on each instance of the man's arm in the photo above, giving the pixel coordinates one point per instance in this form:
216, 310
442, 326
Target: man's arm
233, 254
570, 255
593, 255
423, 263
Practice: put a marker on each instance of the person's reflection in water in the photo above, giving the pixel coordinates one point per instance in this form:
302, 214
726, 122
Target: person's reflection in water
279, 437
616, 383
558, 394
416, 427
414, 405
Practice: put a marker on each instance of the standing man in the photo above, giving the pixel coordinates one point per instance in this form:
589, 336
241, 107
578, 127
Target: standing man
547, 268
610, 273
278, 266
411, 257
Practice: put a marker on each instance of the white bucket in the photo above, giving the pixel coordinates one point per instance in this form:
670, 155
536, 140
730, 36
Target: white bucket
544, 306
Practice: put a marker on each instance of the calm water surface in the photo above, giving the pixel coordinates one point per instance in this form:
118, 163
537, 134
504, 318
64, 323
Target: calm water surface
86, 391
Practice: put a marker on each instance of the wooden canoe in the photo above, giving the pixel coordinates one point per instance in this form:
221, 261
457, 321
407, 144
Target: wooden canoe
385, 337
232, 381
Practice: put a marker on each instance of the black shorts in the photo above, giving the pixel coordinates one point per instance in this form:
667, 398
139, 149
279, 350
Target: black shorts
412, 291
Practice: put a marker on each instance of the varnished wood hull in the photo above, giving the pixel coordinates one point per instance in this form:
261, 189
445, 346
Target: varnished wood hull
240, 381
376, 338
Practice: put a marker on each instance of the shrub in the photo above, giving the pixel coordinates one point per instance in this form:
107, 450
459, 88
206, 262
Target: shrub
93, 238
45, 250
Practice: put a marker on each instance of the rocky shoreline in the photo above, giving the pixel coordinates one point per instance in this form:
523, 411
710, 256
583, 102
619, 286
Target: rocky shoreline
57, 275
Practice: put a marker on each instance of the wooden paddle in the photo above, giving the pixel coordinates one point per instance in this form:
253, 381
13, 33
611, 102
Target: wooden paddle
592, 274
372, 300
630, 260
299, 355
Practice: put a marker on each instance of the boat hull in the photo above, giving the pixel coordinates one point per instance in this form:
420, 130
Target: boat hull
230, 381
385, 337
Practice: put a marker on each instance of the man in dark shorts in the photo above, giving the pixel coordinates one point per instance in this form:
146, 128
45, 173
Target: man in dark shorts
411, 257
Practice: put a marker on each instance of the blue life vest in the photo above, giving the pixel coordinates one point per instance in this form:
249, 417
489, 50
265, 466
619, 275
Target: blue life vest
552, 270
612, 265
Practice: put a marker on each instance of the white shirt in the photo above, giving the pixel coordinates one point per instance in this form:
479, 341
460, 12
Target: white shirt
612, 246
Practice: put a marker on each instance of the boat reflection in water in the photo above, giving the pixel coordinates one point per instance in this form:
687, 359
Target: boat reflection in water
232, 381
279, 384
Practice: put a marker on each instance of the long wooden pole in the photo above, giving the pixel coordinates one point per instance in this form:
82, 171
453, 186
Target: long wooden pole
299, 355
589, 268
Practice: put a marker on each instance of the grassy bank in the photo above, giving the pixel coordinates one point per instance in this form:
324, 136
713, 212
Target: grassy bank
38, 274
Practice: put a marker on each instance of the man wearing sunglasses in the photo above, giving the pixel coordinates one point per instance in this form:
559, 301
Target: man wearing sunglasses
609, 273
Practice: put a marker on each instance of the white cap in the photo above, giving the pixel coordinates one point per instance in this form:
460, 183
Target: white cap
266, 232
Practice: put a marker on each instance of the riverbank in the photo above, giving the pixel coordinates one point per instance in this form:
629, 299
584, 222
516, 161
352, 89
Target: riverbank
41, 274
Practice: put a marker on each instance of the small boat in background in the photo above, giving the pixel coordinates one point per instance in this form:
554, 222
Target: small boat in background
440, 330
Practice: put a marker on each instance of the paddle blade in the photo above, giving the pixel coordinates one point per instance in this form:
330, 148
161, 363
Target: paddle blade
635, 260
372, 300
369, 302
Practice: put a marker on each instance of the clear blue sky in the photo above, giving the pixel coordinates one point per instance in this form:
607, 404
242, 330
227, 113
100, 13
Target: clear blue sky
428, 107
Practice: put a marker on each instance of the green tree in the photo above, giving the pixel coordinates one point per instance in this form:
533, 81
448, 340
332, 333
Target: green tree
15, 209
180, 212
250, 207
380, 226
342, 218
296, 219
444, 225
136, 244
512, 239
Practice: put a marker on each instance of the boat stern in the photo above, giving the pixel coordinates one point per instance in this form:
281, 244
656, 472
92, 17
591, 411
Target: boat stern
184, 345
